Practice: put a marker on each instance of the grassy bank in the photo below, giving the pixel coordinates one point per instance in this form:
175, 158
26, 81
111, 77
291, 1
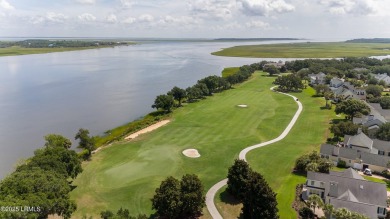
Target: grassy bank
229, 71
17, 50
126, 174
307, 50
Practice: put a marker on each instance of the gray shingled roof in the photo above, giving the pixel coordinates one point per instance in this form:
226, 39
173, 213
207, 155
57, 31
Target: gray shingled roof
364, 191
376, 108
326, 149
348, 153
374, 159
349, 173
361, 140
362, 208
381, 145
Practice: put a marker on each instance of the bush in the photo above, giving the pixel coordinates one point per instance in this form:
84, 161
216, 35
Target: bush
341, 164
306, 213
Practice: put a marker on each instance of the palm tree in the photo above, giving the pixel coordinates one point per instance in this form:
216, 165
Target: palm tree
328, 210
315, 201
343, 213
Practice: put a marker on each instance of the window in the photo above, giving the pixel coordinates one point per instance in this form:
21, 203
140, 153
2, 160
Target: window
312, 183
381, 211
388, 154
381, 152
349, 161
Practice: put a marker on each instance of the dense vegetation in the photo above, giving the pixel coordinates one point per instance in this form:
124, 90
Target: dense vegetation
41, 185
373, 40
250, 188
312, 162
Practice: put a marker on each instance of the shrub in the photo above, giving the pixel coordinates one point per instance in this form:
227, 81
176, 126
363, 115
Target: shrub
341, 164
306, 213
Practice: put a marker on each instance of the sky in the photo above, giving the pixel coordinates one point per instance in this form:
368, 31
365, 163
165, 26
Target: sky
309, 19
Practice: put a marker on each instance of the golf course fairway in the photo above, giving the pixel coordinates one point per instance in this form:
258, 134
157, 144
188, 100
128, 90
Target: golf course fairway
126, 174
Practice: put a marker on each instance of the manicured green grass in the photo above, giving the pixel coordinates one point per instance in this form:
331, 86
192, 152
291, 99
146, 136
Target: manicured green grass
16, 50
229, 71
126, 174
307, 50
275, 162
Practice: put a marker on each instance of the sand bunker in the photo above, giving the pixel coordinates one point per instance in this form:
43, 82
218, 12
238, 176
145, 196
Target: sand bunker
147, 129
242, 106
193, 153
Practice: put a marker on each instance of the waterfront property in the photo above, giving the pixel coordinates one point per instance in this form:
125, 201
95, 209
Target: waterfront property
348, 190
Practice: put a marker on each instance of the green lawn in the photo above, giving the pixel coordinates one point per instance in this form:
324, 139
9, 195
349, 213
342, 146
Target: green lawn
276, 161
229, 71
126, 174
307, 50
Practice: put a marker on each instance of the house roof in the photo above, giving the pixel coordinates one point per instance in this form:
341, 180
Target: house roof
374, 159
349, 173
348, 153
376, 108
326, 149
348, 196
364, 191
381, 145
360, 140
362, 208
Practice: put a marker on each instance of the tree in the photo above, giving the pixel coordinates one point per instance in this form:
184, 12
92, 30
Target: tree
178, 94
383, 132
344, 128
352, 108
193, 93
315, 201
375, 90
164, 102
343, 213
86, 142
106, 214
271, 70
54, 140
259, 200
58, 159
238, 176
167, 200
321, 89
385, 102
328, 95
289, 83
306, 213
328, 210
312, 162
203, 88
192, 197
211, 82
37, 187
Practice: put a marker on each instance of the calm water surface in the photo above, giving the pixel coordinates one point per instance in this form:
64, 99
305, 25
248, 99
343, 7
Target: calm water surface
94, 89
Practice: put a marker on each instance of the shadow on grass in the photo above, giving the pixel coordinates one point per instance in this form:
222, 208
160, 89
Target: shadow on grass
325, 108
228, 199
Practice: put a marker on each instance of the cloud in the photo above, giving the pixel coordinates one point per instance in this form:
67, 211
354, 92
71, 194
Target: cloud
111, 18
257, 24
86, 17
50, 17
146, 18
265, 7
219, 9
127, 3
182, 21
129, 20
86, 2
5, 5
355, 7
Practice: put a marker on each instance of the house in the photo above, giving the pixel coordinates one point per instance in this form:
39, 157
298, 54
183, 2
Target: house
372, 122
346, 91
383, 77
336, 82
348, 190
359, 152
279, 64
319, 78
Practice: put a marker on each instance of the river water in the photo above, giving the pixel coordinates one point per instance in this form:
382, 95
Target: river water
95, 89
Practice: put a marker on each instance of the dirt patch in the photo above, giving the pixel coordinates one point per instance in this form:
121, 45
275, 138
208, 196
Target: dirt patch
147, 129
193, 153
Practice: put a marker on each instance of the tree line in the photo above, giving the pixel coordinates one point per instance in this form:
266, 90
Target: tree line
203, 88
39, 43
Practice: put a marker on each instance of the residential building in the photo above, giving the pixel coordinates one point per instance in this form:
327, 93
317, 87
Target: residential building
383, 77
336, 82
319, 78
372, 122
348, 190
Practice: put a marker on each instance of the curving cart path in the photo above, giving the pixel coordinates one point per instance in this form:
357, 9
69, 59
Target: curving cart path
214, 189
